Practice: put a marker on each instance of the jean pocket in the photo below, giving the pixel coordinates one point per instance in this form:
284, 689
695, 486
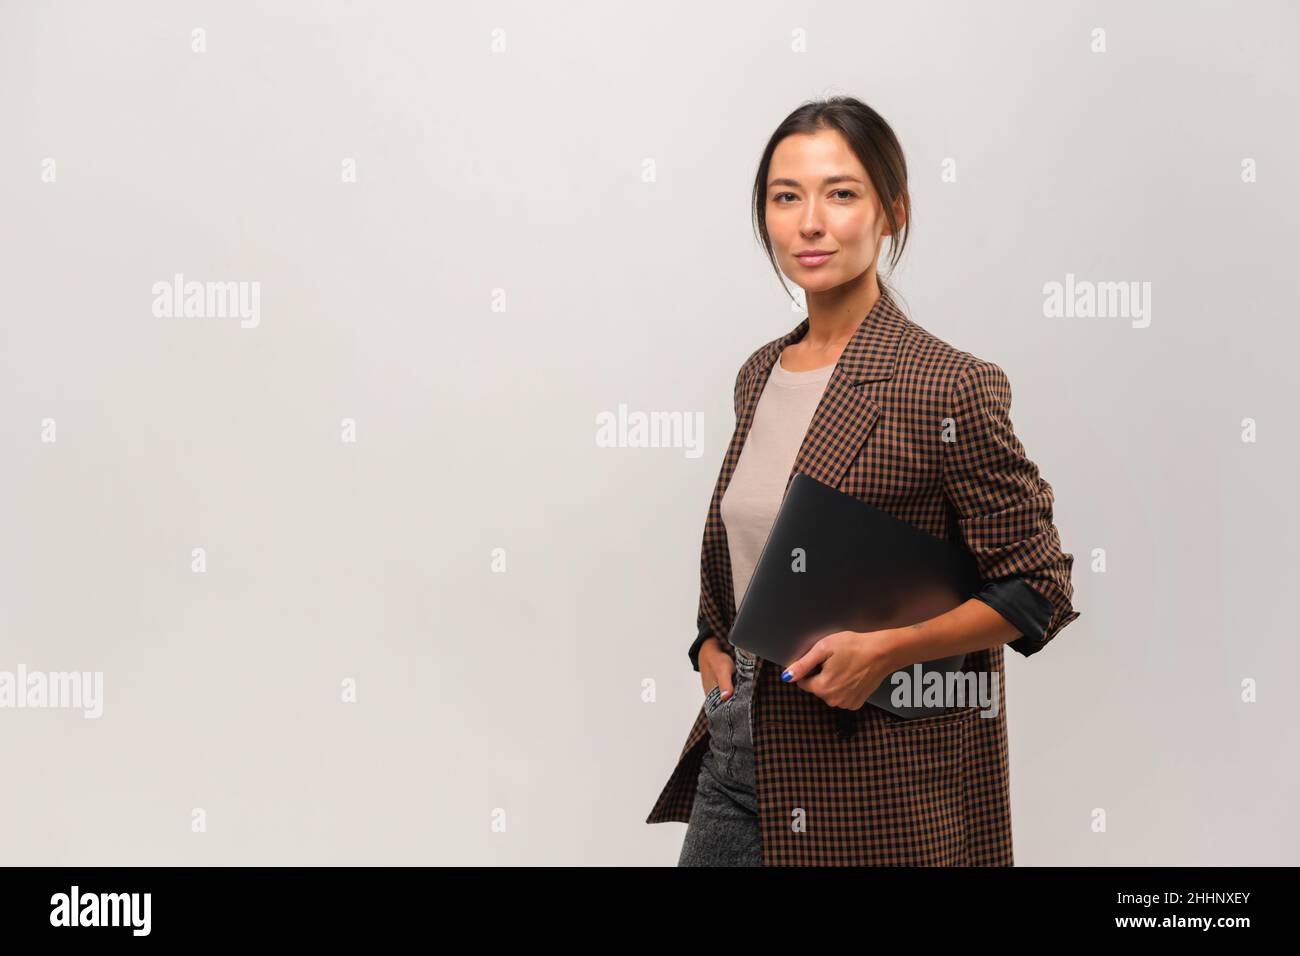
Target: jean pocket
713, 700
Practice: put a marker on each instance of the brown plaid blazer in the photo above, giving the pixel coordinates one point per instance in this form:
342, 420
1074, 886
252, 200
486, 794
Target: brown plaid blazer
840, 787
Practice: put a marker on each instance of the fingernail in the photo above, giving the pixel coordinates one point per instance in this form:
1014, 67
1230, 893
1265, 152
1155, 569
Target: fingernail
786, 675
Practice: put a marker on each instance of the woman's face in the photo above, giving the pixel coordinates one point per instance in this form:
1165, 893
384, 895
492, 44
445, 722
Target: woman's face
820, 198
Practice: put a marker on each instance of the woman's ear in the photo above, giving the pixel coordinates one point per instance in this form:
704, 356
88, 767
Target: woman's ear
900, 214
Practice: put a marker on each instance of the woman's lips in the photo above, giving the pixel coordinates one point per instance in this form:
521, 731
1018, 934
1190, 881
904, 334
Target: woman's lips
811, 261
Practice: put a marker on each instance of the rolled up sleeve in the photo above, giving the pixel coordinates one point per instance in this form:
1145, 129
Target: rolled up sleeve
704, 635
1004, 510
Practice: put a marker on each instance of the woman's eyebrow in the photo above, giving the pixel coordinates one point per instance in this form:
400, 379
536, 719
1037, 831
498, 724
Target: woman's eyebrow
841, 178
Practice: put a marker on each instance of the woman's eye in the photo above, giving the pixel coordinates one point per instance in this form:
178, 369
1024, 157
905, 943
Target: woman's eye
846, 193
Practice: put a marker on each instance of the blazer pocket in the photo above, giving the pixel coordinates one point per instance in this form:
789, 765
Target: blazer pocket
918, 795
920, 725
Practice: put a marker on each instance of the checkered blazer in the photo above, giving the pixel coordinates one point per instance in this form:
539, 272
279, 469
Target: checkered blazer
840, 787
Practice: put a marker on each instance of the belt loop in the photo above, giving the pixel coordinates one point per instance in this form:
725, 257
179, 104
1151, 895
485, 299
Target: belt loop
845, 722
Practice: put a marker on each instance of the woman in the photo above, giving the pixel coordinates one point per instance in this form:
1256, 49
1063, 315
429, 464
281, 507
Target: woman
790, 767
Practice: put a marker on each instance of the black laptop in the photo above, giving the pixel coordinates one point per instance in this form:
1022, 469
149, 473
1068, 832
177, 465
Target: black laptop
834, 563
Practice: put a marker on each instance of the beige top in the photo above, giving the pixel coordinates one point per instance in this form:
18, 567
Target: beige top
757, 486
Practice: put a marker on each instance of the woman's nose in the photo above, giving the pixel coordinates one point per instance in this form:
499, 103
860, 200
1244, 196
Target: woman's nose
811, 225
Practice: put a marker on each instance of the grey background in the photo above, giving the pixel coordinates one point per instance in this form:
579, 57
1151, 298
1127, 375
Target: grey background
521, 171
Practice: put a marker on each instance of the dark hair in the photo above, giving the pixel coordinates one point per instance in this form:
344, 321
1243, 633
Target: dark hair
876, 147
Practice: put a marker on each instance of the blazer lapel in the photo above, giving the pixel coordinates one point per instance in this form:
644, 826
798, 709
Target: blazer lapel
846, 413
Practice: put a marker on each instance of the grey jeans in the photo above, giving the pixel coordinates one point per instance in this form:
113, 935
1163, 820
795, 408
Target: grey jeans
723, 828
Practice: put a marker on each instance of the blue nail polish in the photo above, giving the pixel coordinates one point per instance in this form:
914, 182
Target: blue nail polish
786, 675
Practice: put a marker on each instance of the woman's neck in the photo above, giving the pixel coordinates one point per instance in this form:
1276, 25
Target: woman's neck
835, 315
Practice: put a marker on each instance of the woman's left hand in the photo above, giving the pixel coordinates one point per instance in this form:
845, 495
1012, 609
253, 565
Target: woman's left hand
853, 663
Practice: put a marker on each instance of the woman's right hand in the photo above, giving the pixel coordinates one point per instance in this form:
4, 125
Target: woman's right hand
716, 667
